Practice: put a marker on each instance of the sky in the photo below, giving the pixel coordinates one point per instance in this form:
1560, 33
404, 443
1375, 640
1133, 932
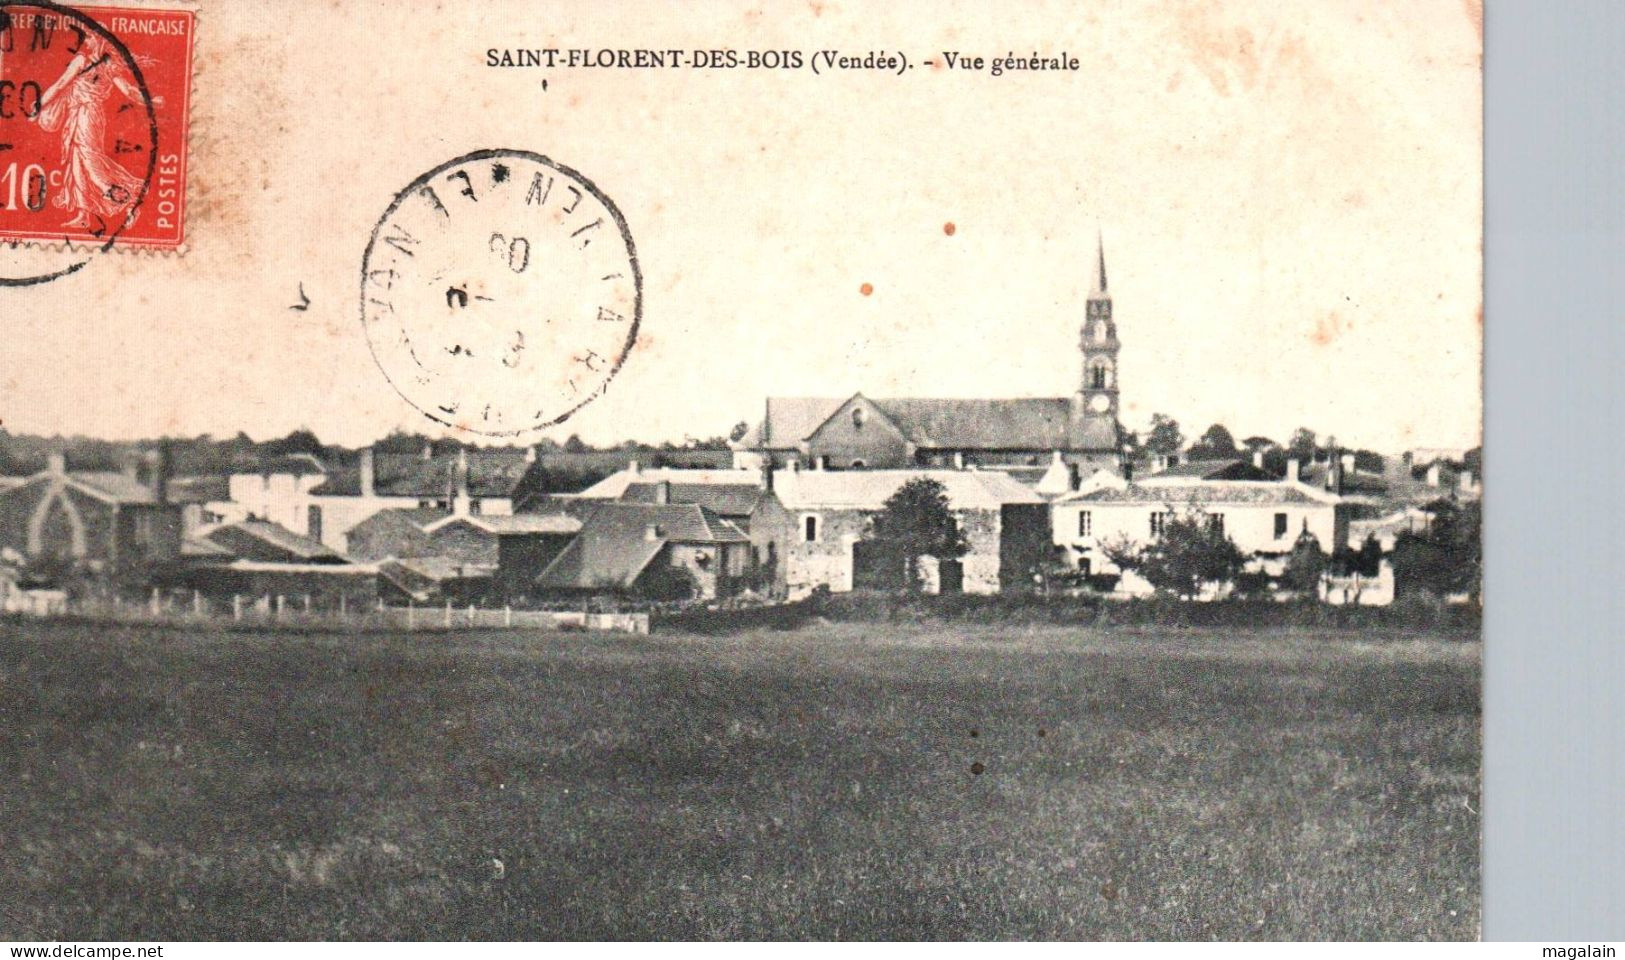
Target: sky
1289, 195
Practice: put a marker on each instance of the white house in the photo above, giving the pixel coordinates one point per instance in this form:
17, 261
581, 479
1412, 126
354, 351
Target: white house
279, 491
468, 483
1263, 517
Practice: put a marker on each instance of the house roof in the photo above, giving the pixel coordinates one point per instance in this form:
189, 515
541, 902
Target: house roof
725, 499
199, 489
117, 487
1019, 423
614, 486
296, 545
1354, 481
519, 523
1214, 492
201, 549
869, 489
1226, 469
490, 474
619, 540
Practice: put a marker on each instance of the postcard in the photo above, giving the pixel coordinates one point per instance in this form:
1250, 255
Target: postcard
735, 471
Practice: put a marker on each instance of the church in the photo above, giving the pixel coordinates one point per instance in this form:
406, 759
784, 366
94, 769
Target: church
862, 432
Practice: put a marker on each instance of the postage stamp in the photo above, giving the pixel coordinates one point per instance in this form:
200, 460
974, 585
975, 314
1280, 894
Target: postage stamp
93, 124
501, 292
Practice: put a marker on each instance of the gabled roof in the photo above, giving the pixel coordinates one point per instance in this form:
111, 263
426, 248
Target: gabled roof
869, 489
232, 537
1204, 493
199, 489
111, 486
1227, 469
724, 499
614, 486
619, 540
519, 523
1019, 423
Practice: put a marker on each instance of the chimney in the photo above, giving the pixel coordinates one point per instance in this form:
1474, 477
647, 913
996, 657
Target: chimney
663, 492
1465, 481
1433, 474
428, 450
459, 500
959, 459
653, 532
822, 463
767, 473
130, 465
368, 476
530, 454
632, 467
1258, 459
1292, 470
56, 463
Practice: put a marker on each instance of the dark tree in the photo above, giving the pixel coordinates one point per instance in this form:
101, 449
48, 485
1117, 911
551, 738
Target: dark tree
918, 522
1258, 443
1191, 551
1164, 437
299, 441
1305, 565
1214, 444
1447, 557
1302, 445
667, 583
574, 444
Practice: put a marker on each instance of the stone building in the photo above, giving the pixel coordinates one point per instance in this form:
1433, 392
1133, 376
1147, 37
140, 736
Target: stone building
862, 432
814, 529
113, 523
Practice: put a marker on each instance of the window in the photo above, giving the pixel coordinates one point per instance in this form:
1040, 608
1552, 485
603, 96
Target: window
313, 522
859, 416
858, 464
809, 529
474, 507
1097, 375
1085, 523
1083, 566
1159, 519
1280, 525
1215, 523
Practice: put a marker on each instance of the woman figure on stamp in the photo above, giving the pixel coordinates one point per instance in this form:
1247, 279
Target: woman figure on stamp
95, 185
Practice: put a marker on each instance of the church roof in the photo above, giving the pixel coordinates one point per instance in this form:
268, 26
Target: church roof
1020, 423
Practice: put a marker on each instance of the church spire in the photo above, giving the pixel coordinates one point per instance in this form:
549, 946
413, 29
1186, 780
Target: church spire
1098, 290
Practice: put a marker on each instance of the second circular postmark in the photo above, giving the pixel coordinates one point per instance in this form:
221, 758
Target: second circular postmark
500, 292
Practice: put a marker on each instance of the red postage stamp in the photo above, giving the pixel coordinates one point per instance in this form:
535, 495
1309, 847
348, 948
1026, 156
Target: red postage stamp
93, 124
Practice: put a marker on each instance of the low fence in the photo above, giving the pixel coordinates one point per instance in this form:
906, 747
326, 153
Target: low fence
300, 612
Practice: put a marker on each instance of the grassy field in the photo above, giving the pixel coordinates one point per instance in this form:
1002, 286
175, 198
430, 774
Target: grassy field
826, 782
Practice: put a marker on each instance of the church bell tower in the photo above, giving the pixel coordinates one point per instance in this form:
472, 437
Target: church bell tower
1099, 345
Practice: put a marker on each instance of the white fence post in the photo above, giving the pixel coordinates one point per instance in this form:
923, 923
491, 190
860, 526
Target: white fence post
236, 606
507, 615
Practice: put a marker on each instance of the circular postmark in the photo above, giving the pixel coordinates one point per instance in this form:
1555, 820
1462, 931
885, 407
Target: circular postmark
500, 292
81, 140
